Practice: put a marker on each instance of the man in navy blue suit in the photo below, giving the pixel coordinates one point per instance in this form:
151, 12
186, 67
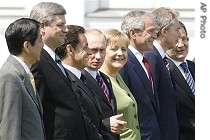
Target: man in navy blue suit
185, 95
141, 29
167, 37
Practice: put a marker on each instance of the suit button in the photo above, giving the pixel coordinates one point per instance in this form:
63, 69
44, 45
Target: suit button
135, 116
129, 95
137, 127
133, 105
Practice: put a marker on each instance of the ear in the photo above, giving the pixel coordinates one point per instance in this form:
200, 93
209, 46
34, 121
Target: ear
69, 49
163, 31
42, 28
26, 46
132, 33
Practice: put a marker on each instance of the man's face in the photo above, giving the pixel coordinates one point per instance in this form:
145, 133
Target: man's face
180, 50
144, 39
54, 33
80, 54
172, 35
97, 45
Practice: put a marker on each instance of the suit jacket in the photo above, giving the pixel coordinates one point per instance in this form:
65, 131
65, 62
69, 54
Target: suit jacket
20, 109
91, 108
148, 105
107, 109
63, 118
186, 101
168, 115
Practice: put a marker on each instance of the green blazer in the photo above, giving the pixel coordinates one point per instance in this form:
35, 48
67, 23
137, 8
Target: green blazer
126, 105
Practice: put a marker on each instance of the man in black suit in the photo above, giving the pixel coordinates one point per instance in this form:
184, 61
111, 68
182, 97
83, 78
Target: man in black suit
97, 43
135, 73
73, 54
63, 118
167, 37
185, 95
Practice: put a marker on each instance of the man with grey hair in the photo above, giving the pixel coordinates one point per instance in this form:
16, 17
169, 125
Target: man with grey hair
141, 29
167, 37
62, 113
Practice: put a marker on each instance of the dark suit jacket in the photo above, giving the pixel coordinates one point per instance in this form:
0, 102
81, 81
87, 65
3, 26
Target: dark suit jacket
107, 109
20, 109
63, 118
92, 109
148, 107
186, 101
168, 116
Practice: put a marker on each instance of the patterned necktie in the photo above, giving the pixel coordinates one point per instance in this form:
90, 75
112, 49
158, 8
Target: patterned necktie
146, 64
103, 87
32, 81
58, 62
188, 77
166, 64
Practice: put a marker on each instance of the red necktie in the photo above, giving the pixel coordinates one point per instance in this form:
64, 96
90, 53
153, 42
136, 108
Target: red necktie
103, 87
146, 64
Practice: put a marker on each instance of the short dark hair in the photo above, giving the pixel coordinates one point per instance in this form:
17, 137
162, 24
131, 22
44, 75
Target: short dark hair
183, 26
19, 31
72, 38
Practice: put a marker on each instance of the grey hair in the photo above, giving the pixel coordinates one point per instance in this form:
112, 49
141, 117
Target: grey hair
134, 20
164, 17
44, 12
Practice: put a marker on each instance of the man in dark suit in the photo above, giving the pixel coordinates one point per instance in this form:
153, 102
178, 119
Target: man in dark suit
97, 43
135, 73
63, 117
185, 95
20, 107
73, 54
167, 36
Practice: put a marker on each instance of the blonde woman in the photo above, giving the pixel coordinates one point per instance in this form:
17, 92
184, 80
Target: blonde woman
116, 57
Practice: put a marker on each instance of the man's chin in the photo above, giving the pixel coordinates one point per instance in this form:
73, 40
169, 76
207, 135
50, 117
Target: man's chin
96, 67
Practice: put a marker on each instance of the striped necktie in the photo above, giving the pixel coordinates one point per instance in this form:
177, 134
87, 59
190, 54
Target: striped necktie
103, 87
166, 64
188, 77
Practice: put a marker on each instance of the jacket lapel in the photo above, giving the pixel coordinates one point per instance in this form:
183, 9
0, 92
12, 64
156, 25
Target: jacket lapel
53, 64
85, 89
26, 80
179, 79
142, 75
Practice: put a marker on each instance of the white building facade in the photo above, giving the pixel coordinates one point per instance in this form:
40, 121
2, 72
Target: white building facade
100, 14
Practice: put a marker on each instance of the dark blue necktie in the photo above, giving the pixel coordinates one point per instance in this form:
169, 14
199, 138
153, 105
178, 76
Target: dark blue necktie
58, 61
188, 76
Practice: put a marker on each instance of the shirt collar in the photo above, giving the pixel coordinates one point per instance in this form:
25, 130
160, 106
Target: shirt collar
177, 63
26, 68
159, 48
74, 70
136, 53
92, 72
50, 51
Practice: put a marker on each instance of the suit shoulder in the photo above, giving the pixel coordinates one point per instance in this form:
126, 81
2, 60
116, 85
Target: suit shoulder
190, 62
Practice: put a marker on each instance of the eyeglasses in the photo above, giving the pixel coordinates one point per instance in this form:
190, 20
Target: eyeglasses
184, 38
